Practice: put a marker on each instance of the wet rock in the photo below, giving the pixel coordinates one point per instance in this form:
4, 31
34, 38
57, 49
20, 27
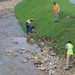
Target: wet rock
21, 52
31, 57
33, 52
10, 51
9, 54
27, 51
23, 49
30, 40
15, 42
14, 54
25, 60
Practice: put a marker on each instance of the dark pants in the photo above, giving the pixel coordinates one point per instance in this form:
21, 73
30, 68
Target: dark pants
28, 28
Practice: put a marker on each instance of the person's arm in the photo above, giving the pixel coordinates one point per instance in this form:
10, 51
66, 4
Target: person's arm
66, 48
58, 8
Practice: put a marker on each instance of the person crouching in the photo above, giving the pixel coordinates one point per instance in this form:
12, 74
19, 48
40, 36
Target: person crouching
28, 25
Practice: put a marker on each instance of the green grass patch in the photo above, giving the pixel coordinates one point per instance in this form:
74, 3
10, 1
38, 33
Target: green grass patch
42, 12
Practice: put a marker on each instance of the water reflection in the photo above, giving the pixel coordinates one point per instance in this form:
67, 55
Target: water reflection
73, 1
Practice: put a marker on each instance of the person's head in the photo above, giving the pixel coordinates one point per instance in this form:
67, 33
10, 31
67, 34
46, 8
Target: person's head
69, 41
54, 3
31, 19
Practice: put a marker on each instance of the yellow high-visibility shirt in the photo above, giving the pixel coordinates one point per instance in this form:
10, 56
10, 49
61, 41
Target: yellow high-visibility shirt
70, 49
28, 21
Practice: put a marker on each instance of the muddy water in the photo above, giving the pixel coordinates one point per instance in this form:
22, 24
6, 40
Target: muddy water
11, 32
73, 1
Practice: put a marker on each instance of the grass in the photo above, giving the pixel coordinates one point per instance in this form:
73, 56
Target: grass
42, 12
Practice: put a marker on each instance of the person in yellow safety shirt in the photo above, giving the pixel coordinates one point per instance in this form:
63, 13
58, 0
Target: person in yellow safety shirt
56, 11
28, 26
69, 48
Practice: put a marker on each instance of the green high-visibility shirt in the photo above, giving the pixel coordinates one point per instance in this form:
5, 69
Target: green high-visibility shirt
69, 49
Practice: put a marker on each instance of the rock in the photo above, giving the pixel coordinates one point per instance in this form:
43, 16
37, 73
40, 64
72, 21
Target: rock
42, 68
42, 43
52, 54
50, 48
36, 57
42, 65
31, 57
45, 59
25, 61
51, 72
45, 53
15, 42
14, 54
9, 54
27, 51
30, 40
10, 51
37, 62
33, 52
23, 49
41, 49
41, 74
39, 55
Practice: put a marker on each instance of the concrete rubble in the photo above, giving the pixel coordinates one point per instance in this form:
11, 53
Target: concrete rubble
49, 62
46, 60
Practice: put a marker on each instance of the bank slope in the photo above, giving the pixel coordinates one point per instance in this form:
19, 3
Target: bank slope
42, 12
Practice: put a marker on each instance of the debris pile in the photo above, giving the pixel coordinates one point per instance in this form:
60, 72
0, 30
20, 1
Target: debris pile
48, 61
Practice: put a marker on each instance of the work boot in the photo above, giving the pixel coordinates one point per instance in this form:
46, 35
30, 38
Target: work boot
70, 66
